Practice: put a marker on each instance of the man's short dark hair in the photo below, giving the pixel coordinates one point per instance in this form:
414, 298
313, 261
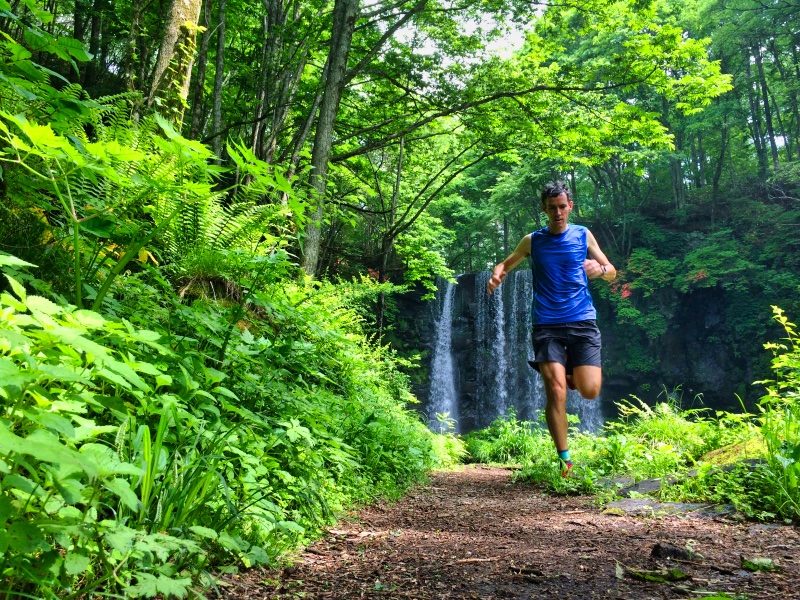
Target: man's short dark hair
555, 188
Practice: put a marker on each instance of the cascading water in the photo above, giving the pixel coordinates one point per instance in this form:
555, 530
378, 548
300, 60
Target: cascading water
492, 354
443, 401
480, 361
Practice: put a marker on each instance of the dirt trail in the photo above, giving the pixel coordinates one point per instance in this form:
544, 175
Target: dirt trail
472, 534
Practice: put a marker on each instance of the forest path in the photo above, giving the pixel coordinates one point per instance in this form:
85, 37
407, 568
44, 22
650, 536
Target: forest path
472, 534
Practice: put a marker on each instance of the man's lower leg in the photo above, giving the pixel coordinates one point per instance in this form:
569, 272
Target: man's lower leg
555, 410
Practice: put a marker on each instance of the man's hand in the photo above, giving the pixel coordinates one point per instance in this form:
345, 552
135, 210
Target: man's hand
592, 268
495, 280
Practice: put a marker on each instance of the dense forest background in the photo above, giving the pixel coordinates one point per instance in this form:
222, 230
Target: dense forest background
415, 135
211, 208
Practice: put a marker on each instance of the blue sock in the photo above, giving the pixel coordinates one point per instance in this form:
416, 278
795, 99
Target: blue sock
564, 455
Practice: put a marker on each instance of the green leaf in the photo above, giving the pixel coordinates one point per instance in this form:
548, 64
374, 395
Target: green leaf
122, 488
288, 526
46, 566
18, 482
150, 585
7, 260
128, 373
119, 537
114, 378
44, 16
231, 543
205, 532
88, 318
72, 337
71, 490
38, 304
147, 586
44, 446
759, 564
7, 299
107, 462
59, 373
88, 429
75, 49
25, 538
10, 375
6, 509
112, 404
52, 421
76, 561
147, 368
99, 227
17, 287
225, 392
15, 339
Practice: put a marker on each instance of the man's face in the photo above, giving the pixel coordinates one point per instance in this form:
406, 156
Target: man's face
557, 209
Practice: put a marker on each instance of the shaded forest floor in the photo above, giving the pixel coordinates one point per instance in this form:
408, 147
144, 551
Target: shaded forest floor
473, 534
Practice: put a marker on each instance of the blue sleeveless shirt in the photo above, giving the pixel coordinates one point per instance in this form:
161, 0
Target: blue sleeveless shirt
560, 285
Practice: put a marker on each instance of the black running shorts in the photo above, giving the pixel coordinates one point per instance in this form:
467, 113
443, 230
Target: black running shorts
571, 344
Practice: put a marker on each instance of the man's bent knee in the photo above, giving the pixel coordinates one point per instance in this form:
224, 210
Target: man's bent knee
588, 380
590, 393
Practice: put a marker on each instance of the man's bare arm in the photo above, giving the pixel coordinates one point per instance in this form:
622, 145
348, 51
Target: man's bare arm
502, 269
597, 265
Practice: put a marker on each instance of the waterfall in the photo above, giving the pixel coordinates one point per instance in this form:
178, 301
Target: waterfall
482, 346
495, 357
443, 388
531, 397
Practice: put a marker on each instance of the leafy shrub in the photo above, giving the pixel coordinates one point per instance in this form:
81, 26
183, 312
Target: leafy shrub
780, 423
655, 441
507, 440
136, 457
78, 506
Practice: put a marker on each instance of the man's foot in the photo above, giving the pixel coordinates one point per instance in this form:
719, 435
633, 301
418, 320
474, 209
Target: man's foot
566, 468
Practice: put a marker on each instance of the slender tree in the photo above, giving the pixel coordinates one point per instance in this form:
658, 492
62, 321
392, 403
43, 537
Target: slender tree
173, 69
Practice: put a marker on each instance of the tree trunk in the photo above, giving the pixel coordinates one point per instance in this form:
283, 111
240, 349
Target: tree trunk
93, 66
796, 62
676, 177
755, 114
198, 98
792, 134
718, 171
387, 243
695, 165
767, 110
288, 88
283, 61
701, 156
79, 19
505, 238
469, 252
175, 57
344, 20
128, 75
219, 80
787, 139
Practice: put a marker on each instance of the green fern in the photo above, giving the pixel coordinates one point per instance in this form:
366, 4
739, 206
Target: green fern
105, 182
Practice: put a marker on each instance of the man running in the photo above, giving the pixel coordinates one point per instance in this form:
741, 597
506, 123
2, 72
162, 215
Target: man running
566, 340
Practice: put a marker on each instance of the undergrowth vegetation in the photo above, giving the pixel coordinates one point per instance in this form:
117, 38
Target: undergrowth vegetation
134, 459
750, 462
177, 397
